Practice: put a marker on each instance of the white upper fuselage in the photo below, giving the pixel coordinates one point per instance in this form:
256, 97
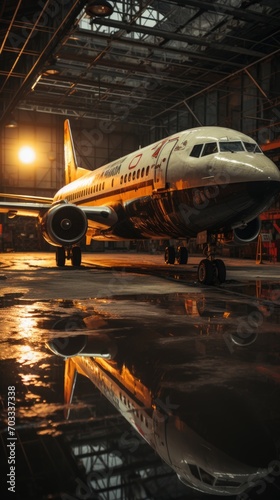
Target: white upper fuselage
199, 161
119, 179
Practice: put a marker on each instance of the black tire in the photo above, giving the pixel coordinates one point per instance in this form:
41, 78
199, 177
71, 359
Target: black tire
182, 255
60, 256
220, 270
169, 255
76, 257
206, 272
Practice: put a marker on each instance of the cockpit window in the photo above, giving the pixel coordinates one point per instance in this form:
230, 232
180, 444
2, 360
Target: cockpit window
196, 150
252, 147
231, 146
209, 148
201, 474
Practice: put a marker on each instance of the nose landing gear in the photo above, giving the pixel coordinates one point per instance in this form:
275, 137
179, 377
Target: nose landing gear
211, 270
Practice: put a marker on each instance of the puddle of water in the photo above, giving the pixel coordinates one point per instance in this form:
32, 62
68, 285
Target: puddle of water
206, 360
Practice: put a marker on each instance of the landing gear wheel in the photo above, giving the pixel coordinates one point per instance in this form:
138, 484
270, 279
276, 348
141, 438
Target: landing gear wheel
182, 255
206, 272
60, 256
76, 256
220, 270
169, 255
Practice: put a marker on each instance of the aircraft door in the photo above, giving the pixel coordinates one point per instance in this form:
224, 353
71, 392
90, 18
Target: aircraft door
161, 165
160, 422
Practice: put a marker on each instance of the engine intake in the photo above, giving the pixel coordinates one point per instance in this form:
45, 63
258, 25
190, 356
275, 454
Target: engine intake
95, 345
242, 235
64, 225
248, 233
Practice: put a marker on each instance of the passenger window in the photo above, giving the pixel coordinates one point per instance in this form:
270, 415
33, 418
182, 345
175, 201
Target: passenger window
142, 172
138, 174
209, 148
147, 170
196, 150
121, 181
129, 177
125, 178
133, 175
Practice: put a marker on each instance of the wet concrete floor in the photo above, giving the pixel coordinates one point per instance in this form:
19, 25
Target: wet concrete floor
208, 355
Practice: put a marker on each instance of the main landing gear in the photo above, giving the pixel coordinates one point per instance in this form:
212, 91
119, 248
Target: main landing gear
210, 270
171, 255
74, 254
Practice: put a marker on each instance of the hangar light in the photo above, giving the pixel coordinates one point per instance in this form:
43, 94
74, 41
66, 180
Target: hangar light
11, 123
99, 8
52, 70
26, 154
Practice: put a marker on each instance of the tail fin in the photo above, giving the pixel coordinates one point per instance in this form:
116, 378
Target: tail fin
72, 171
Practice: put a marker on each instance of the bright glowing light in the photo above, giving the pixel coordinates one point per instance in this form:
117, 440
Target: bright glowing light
26, 154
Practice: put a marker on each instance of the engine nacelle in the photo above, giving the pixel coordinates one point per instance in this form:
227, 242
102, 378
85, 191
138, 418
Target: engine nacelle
248, 233
64, 225
95, 345
242, 235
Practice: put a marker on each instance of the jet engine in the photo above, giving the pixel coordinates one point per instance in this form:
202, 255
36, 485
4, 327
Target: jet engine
242, 235
94, 345
248, 233
64, 225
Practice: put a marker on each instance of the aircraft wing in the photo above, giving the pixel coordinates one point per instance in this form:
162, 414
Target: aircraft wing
99, 217
70, 377
26, 198
29, 206
26, 209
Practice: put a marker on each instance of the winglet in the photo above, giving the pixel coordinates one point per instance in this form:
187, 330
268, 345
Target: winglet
70, 376
72, 171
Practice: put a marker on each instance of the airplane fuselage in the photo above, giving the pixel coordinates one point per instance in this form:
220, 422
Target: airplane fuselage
206, 178
168, 434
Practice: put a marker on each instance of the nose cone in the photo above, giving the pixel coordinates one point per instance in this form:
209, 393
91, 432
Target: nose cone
249, 183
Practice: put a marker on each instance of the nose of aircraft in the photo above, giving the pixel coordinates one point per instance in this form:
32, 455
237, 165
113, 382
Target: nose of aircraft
254, 173
265, 182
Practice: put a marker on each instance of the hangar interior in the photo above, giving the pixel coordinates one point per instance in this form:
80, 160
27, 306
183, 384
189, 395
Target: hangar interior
150, 69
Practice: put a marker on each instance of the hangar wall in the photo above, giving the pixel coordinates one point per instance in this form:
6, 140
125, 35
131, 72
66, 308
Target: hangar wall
243, 102
95, 145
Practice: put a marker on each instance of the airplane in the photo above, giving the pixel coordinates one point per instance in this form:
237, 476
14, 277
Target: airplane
207, 181
203, 462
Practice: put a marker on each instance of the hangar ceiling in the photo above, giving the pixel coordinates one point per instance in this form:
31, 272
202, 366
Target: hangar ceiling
149, 56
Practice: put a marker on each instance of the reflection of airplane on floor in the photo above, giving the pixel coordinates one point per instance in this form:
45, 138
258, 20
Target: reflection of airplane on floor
188, 427
208, 180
